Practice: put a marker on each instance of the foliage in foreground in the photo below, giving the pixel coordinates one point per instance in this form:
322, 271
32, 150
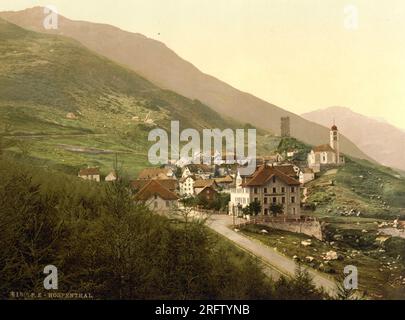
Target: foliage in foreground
104, 244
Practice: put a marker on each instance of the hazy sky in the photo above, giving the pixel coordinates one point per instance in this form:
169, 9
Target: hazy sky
298, 54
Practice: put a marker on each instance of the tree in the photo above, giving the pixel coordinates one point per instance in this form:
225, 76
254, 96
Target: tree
301, 287
276, 208
254, 208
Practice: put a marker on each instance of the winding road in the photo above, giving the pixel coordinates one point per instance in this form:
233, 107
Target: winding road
275, 264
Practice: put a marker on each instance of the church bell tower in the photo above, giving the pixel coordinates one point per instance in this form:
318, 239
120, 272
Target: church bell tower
334, 142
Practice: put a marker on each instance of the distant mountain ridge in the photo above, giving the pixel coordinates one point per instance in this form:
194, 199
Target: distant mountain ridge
66, 103
380, 140
162, 66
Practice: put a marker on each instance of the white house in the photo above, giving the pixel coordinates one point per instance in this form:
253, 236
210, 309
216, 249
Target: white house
291, 153
269, 185
112, 176
157, 173
201, 170
92, 174
157, 197
186, 186
306, 175
240, 198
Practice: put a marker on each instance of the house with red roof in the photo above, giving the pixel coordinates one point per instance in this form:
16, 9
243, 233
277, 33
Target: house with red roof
157, 197
269, 185
92, 174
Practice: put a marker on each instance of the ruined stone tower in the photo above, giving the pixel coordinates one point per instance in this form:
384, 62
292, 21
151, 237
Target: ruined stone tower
285, 126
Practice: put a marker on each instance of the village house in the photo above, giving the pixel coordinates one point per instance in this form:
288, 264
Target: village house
200, 184
157, 173
170, 184
208, 194
112, 176
270, 159
326, 154
186, 186
268, 185
306, 175
224, 182
92, 174
200, 170
157, 197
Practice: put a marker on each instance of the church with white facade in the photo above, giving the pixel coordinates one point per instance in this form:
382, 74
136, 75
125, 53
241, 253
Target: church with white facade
326, 154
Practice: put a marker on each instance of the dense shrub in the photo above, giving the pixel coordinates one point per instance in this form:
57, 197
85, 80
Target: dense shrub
105, 244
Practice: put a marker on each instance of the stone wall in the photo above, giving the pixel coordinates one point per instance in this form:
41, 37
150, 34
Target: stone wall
309, 228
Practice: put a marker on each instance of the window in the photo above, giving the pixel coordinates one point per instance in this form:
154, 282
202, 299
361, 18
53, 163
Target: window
256, 199
265, 200
266, 212
255, 190
293, 211
283, 200
265, 190
274, 190
155, 196
274, 200
292, 189
283, 189
292, 199
274, 179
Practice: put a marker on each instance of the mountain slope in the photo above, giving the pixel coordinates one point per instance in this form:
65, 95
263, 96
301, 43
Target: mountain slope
382, 141
43, 78
163, 67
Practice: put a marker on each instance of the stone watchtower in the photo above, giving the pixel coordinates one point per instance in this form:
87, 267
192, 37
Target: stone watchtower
285, 126
334, 142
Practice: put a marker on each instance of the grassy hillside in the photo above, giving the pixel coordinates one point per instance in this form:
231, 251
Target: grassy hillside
368, 189
165, 68
45, 77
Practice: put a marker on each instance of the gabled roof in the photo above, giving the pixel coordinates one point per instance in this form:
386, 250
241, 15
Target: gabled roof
113, 173
196, 168
150, 173
323, 148
207, 188
264, 173
203, 183
154, 188
185, 178
89, 172
170, 184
